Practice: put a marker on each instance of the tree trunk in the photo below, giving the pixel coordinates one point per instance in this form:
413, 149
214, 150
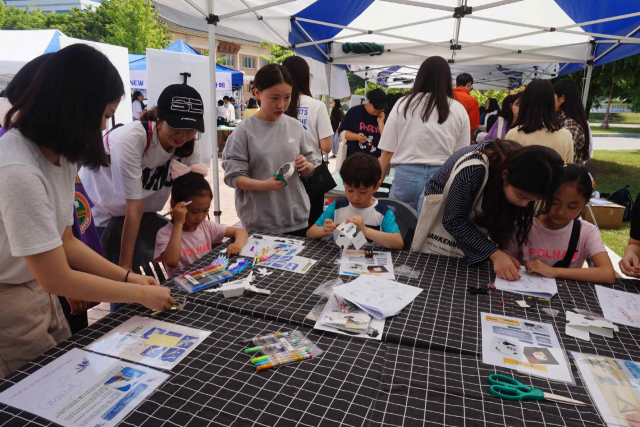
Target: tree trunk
605, 122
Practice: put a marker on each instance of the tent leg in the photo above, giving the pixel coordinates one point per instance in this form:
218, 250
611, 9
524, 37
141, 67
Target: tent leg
214, 139
585, 90
328, 99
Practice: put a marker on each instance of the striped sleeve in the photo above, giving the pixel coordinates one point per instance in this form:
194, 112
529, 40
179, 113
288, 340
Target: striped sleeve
465, 186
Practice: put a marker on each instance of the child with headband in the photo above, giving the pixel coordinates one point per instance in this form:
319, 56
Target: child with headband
189, 235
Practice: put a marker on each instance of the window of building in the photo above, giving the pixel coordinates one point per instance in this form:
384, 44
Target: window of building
264, 62
249, 62
229, 60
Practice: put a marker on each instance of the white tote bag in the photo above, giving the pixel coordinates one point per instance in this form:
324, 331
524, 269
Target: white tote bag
342, 151
431, 236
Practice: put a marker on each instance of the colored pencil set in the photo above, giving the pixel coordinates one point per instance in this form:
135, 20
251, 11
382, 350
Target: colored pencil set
282, 358
203, 278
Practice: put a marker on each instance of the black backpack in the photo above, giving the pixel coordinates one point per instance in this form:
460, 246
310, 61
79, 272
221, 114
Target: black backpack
623, 198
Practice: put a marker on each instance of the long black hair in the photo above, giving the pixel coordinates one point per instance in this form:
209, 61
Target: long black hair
271, 75
62, 108
580, 177
538, 108
299, 70
157, 114
253, 103
533, 169
433, 80
505, 111
23, 78
337, 113
573, 109
190, 185
135, 96
493, 105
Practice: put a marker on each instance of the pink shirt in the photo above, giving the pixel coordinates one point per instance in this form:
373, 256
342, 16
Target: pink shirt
195, 244
550, 246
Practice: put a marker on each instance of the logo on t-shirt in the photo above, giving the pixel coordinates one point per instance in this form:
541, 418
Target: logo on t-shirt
155, 179
83, 211
303, 115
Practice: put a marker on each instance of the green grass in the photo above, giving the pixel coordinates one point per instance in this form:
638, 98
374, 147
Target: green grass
631, 118
612, 170
613, 129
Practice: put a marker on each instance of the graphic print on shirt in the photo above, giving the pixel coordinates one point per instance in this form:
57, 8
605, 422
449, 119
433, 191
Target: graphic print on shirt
551, 253
303, 115
83, 211
155, 179
199, 250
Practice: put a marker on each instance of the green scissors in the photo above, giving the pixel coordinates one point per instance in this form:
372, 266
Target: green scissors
509, 388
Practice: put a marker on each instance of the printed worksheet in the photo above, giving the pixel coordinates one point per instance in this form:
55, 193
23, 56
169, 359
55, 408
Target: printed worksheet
257, 243
529, 284
613, 385
84, 389
525, 346
296, 264
356, 263
619, 306
149, 341
379, 297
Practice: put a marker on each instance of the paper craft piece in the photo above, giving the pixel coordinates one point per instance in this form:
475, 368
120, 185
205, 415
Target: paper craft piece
619, 307
523, 345
355, 263
613, 386
238, 266
374, 331
379, 297
163, 340
350, 235
264, 271
583, 322
256, 243
523, 304
296, 264
81, 388
130, 341
529, 284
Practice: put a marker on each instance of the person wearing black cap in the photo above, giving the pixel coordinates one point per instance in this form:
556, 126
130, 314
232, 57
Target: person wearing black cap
364, 124
138, 179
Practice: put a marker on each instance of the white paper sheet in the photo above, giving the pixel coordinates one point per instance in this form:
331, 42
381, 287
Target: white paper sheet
582, 323
376, 324
619, 307
614, 386
379, 297
257, 243
600, 201
133, 341
350, 234
81, 388
523, 345
296, 264
529, 284
355, 263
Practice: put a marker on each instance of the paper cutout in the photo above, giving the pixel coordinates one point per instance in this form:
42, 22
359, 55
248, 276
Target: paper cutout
350, 235
163, 340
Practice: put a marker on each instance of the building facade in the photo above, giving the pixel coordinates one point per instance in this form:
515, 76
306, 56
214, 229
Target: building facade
59, 6
241, 51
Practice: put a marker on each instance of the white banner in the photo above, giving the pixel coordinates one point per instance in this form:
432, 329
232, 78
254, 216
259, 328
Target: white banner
138, 79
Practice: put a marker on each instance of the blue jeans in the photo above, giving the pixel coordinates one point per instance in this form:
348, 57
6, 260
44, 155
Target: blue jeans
336, 143
409, 182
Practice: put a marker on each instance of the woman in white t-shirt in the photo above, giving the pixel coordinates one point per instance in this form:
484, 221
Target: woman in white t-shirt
314, 116
137, 105
74, 93
423, 130
137, 179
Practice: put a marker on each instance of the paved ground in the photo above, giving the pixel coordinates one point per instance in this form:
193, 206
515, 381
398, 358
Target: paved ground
615, 143
617, 125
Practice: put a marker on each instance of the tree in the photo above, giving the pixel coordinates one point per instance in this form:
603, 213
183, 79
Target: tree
22, 19
482, 96
371, 86
134, 25
277, 53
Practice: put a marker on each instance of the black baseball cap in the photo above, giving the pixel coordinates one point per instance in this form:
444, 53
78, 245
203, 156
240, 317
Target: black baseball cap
378, 99
182, 106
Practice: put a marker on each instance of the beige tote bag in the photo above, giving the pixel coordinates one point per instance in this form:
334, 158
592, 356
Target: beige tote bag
431, 236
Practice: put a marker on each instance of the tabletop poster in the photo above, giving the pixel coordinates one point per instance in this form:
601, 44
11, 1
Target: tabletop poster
83, 389
614, 385
523, 345
356, 263
149, 341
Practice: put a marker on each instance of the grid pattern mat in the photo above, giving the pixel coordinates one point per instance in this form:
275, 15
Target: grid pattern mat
216, 386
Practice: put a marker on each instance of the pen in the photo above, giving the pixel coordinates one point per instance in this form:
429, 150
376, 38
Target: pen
171, 211
280, 357
263, 337
274, 364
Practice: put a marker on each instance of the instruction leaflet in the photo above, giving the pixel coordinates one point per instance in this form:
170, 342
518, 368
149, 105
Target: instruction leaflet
523, 345
149, 341
529, 284
257, 243
81, 388
295, 264
355, 263
619, 306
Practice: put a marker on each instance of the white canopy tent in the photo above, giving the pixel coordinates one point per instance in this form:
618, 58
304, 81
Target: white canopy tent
505, 33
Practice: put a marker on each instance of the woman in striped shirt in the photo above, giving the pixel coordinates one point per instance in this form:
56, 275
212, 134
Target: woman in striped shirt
518, 177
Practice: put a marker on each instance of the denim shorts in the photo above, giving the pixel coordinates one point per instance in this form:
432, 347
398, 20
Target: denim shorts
409, 182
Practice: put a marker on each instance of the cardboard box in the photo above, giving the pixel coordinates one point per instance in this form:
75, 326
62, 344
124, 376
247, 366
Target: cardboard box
608, 214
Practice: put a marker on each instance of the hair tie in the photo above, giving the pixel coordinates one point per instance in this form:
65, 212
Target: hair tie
178, 169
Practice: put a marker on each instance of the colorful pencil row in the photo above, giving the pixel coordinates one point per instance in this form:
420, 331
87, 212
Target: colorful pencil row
283, 358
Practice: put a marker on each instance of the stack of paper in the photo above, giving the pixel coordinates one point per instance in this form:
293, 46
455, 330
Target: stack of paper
619, 306
352, 321
583, 322
529, 284
379, 297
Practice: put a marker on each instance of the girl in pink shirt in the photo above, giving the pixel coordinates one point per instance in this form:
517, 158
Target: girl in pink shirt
189, 235
545, 251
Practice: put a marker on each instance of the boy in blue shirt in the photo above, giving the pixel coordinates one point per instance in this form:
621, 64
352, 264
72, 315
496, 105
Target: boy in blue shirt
361, 174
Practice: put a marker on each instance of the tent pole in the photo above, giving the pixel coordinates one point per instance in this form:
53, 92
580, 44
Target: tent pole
328, 100
212, 91
587, 83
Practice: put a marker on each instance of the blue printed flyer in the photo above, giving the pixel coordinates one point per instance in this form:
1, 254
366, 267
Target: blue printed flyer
525, 346
149, 341
81, 388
